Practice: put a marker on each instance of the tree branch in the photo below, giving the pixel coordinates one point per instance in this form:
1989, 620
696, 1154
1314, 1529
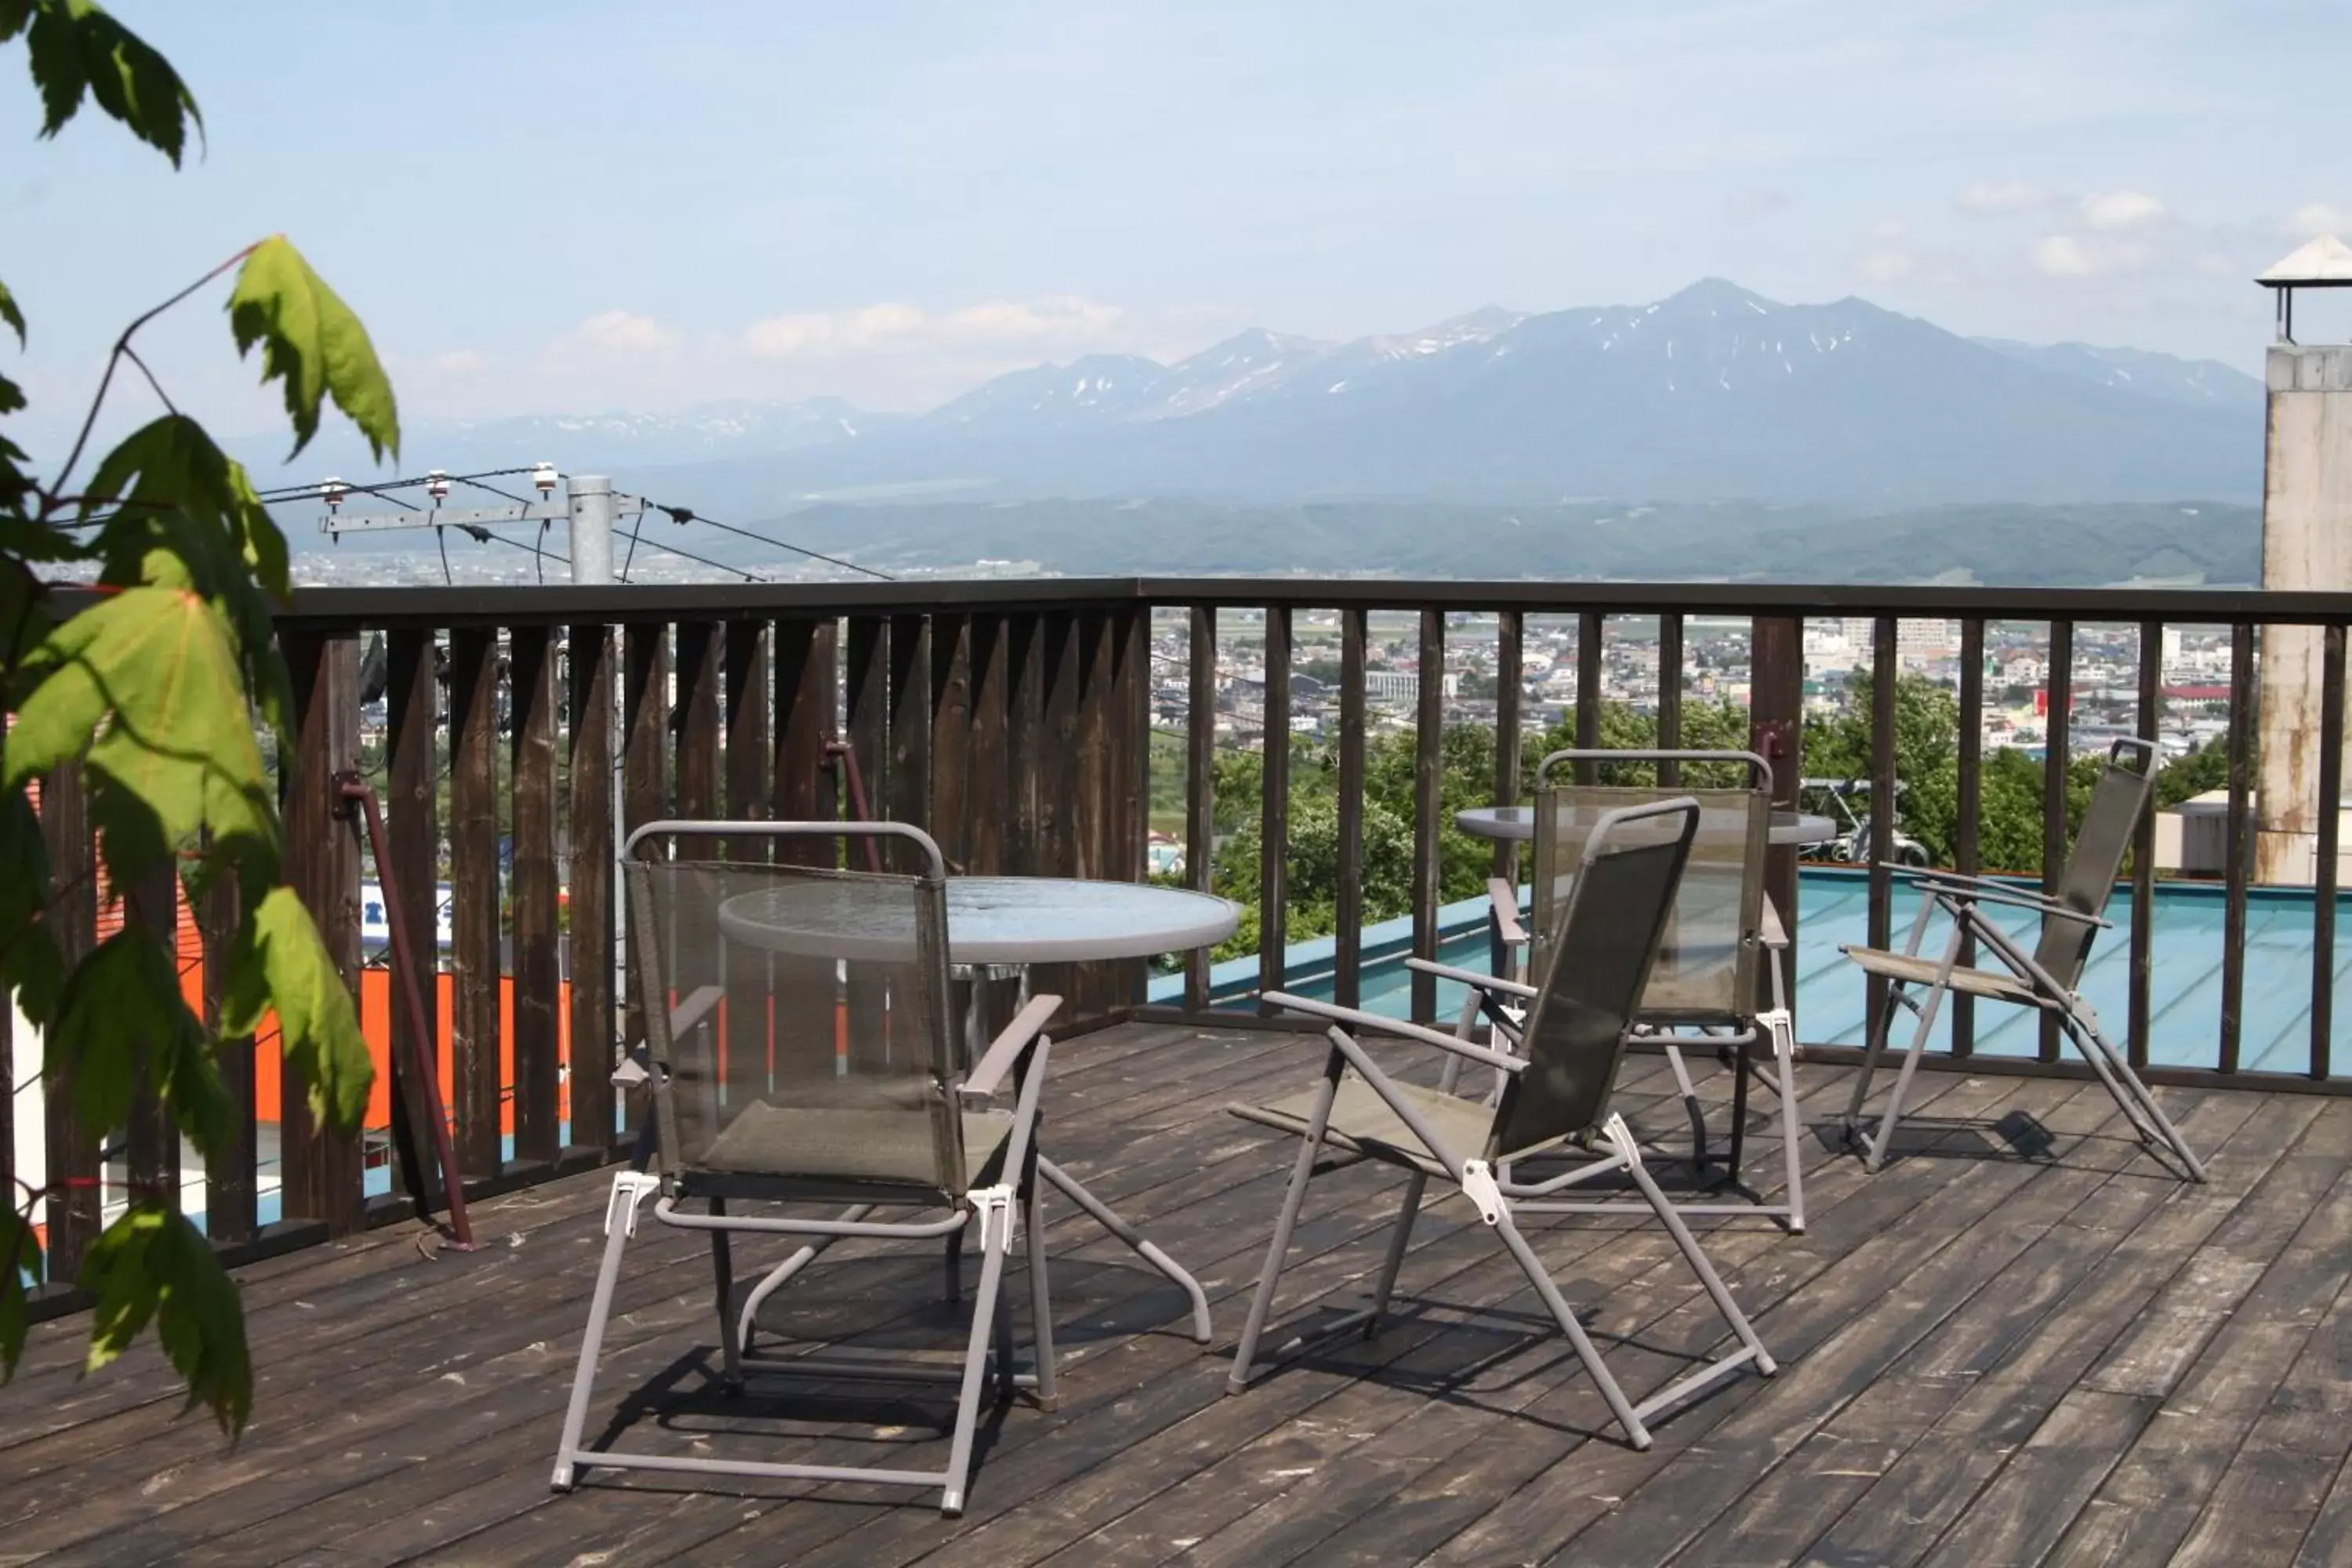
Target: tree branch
122, 347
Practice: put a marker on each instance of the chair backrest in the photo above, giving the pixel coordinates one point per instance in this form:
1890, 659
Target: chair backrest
1706, 967
827, 1053
1602, 952
2100, 844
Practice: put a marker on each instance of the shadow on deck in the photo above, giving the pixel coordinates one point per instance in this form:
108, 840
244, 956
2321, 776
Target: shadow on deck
2024, 1342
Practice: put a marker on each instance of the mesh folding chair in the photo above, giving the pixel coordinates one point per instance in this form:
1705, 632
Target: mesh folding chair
824, 1071
2045, 978
1722, 944
1553, 1095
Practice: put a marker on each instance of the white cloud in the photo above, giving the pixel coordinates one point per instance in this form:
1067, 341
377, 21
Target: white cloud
2113, 212
1886, 266
818, 332
459, 361
2007, 196
2063, 255
2315, 218
1039, 328
619, 333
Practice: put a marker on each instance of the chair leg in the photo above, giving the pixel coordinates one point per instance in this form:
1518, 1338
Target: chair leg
583, 1379
1303, 1172
1690, 1107
2138, 1106
955, 1268
993, 1249
1400, 1237
1565, 1316
1792, 1156
1041, 1299
722, 1268
1688, 1245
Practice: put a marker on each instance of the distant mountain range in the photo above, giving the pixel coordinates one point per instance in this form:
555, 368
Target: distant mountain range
1714, 393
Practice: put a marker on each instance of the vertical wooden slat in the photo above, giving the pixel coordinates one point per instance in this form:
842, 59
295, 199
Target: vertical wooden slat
909, 793
746, 724
748, 972
1274, 809
1670, 694
987, 781
231, 1185
807, 788
645, 762
1130, 750
1885, 676
2238, 859
151, 1143
589, 658
1587, 690
473, 883
2142, 978
1200, 782
2057, 732
1055, 775
1428, 777
1348, 982
412, 826
322, 1167
72, 1147
1026, 744
952, 725
1966, 848
2323, 900
538, 967
866, 671
1510, 634
1775, 712
701, 661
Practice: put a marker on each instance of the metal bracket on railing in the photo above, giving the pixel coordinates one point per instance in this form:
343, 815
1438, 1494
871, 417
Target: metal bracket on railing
1478, 1186
1783, 1028
630, 1188
994, 1204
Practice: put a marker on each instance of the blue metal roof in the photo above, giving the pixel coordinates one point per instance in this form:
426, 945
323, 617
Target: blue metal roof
2184, 1000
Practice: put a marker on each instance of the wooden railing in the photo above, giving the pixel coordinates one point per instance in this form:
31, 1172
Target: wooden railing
1012, 720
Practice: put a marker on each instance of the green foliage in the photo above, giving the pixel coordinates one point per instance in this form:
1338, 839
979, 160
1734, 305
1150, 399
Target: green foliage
152, 687
76, 48
152, 1264
311, 341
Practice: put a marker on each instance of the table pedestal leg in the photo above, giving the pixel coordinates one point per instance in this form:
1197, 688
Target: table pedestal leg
1071, 1189
977, 1025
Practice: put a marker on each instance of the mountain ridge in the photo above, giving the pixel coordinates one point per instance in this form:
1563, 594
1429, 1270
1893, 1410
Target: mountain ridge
1714, 392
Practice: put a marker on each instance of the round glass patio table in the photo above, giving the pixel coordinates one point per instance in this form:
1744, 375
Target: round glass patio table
1517, 824
992, 922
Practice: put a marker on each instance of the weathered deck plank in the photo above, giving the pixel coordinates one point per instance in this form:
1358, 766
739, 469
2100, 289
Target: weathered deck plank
1987, 1358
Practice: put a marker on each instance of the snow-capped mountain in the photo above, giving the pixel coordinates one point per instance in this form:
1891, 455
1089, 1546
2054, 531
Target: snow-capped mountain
1713, 393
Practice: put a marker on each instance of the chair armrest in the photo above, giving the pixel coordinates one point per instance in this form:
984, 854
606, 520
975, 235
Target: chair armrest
1770, 929
1471, 977
1373, 1023
988, 1076
1952, 886
1505, 900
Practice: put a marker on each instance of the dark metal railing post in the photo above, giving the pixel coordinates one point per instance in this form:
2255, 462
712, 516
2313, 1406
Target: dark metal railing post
2239, 861
1348, 983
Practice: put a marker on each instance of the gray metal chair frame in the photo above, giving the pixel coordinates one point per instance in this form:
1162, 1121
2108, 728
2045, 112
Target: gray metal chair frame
1559, 1090
1729, 1017
2044, 978
1015, 1060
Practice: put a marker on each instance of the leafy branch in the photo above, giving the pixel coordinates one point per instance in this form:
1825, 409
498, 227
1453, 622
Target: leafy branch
146, 697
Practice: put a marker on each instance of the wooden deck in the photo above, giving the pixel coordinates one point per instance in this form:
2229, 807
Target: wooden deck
2022, 1343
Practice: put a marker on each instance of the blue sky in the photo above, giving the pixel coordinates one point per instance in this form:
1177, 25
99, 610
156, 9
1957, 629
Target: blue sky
545, 207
